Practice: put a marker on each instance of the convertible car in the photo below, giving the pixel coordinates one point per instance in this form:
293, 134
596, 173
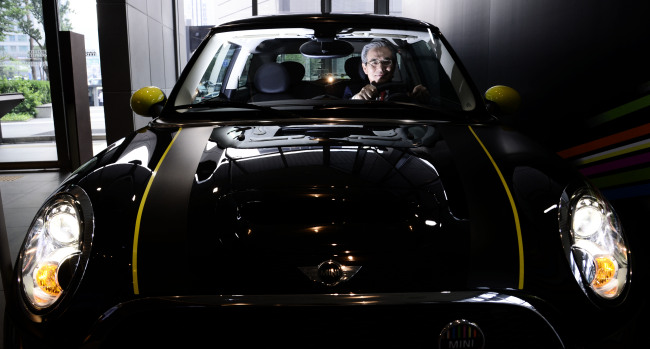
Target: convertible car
267, 205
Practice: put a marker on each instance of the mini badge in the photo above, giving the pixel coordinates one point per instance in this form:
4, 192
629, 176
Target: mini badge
461, 334
330, 272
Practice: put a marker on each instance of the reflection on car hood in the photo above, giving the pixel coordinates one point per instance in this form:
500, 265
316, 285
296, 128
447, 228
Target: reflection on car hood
292, 207
250, 209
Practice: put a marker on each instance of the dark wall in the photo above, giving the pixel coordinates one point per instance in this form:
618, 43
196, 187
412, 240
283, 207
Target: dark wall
582, 69
570, 60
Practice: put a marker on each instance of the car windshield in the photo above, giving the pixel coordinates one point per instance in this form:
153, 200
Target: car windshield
284, 67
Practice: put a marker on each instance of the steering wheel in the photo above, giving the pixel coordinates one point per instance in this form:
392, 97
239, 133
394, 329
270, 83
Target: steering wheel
399, 86
390, 85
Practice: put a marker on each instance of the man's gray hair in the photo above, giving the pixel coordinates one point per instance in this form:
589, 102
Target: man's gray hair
375, 44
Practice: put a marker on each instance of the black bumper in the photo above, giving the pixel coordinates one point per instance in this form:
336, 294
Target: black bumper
411, 320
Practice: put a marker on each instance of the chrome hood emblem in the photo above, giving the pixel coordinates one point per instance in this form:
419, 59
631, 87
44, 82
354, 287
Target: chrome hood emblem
461, 334
330, 272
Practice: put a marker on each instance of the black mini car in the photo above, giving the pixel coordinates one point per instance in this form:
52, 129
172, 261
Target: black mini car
325, 181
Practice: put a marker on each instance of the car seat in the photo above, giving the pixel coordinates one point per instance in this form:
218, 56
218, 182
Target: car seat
298, 87
271, 82
358, 78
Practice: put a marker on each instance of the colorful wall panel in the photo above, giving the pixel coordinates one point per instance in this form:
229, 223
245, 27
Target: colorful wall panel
618, 160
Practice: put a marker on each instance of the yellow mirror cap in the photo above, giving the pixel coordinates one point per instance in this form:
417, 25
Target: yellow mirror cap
507, 98
144, 98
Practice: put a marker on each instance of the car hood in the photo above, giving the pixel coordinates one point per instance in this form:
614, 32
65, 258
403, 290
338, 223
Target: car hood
236, 211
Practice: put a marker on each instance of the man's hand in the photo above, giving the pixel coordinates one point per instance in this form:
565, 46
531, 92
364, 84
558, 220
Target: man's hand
420, 93
368, 92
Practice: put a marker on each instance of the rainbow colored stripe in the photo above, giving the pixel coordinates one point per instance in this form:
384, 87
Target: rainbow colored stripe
618, 163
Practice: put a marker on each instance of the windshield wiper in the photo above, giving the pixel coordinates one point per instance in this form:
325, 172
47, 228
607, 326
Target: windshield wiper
222, 103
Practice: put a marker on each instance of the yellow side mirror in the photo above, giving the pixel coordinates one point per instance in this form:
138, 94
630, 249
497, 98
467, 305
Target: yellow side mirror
144, 100
506, 98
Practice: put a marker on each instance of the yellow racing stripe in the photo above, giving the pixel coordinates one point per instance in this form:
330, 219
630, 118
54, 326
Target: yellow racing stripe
134, 262
514, 209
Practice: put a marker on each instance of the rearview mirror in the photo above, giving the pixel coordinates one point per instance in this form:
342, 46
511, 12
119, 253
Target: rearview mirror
326, 49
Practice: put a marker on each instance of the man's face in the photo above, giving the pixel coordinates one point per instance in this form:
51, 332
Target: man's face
379, 66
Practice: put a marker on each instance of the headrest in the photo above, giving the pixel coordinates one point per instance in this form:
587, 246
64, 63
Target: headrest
296, 71
354, 69
271, 78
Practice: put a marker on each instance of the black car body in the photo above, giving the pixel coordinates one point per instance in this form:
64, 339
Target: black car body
309, 220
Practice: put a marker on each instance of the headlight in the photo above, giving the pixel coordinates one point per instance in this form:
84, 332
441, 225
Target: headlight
56, 243
594, 243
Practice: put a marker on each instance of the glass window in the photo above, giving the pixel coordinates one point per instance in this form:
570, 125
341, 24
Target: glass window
358, 6
272, 7
210, 85
395, 7
215, 12
26, 131
82, 19
365, 6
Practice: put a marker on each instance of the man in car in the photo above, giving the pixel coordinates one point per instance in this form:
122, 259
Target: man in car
378, 61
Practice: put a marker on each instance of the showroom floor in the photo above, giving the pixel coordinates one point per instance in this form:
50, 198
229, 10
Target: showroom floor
22, 195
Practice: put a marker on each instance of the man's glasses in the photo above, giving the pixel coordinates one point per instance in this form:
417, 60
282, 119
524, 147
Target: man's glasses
377, 62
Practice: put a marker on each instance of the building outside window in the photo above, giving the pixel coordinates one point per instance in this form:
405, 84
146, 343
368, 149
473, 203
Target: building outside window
27, 131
